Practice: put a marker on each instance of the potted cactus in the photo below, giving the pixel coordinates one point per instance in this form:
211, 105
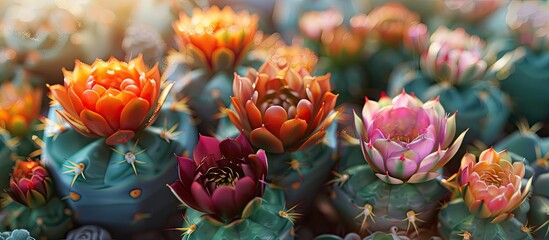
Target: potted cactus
224, 188
405, 143
106, 152
489, 199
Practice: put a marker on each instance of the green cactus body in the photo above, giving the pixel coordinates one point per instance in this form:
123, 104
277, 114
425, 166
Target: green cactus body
528, 96
300, 174
12, 148
480, 105
51, 221
381, 64
121, 188
533, 149
265, 218
347, 80
368, 203
455, 222
208, 93
18, 234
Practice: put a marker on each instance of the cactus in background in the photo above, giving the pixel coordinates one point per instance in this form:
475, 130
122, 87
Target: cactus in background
33, 205
18, 234
340, 48
288, 113
19, 113
454, 69
405, 142
390, 23
490, 200
112, 158
528, 22
223, 186
483, 18
209, 53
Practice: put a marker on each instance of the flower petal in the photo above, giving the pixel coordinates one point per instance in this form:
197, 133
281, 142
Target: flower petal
134, 113
206, 146
223, 200
275, 116
96, 123
264, 139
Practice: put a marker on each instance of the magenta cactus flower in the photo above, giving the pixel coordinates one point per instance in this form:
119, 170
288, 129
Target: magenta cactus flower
30, 184
222, 178
406, 140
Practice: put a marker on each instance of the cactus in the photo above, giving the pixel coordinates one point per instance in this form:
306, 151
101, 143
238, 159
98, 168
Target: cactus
489, 202
402, 193
453, 70
108, 156
18, 234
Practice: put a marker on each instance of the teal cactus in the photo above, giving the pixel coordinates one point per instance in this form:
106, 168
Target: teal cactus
18, 234
51, 221
528, 59
263, 218
110, 148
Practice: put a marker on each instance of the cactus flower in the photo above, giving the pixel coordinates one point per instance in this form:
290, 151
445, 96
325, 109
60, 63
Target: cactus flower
19, 107
216, 39
454, 57
293, 56
30, 184
417, 38
391, 22
314, 24
491, 186
529, 21
282, 110
223, 177
472, 11
111, 99
406, 140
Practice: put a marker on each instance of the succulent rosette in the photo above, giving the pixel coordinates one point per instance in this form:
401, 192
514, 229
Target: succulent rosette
215, 39
224, 184
105, 151
454, 68
110, 99
213, 43
18, 234
340, 46
32, 203
528, 59
19, 113
393, 234
406, 140
405, 143
288, 113
30, 184
490, 200
89, 232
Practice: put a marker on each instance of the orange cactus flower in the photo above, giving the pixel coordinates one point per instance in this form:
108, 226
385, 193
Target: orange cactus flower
19, 107
282, 109
293, 56
491, 186
391, 22
111, 98
216, 39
